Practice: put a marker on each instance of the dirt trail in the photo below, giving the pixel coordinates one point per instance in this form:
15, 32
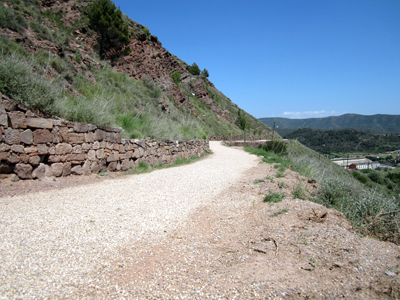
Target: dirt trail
234, 246
239, 247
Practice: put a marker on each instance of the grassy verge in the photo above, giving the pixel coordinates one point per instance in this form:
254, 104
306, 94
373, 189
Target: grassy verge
370, 210
282, 162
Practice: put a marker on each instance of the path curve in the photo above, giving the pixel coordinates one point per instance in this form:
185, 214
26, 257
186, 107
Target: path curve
50, 241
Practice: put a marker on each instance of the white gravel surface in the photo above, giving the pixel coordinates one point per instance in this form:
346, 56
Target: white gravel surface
58, 242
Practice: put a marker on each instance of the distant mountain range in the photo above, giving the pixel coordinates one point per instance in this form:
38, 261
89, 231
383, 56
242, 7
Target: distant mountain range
376, 124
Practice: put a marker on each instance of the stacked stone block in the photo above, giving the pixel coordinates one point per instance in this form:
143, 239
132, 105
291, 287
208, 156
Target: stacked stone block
35, 147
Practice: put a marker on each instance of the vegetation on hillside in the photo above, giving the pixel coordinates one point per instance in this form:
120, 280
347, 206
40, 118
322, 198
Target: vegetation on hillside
387, 180
194, 69
114, 100
205, 73
107, 20
68, 79
242, 123
371, 210
11, 19
275, 146
345, 141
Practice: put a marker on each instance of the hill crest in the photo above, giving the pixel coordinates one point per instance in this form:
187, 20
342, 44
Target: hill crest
57, 36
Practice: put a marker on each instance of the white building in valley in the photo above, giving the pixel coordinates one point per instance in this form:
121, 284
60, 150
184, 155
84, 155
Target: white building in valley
359, 163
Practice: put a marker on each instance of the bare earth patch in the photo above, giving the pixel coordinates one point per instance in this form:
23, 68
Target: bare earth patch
235, 246
227, 252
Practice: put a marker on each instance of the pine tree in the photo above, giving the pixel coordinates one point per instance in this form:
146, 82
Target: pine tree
194, 69
242, 123
107, 20
205, 73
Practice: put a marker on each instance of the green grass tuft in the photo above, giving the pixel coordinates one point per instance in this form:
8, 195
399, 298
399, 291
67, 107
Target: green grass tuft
299, 193
274, 197
277, 146
279, 212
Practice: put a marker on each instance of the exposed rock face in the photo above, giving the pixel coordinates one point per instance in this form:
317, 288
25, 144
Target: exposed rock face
60, 148
147, 59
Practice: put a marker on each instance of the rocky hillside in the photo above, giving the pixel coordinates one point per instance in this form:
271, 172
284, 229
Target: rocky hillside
140, 87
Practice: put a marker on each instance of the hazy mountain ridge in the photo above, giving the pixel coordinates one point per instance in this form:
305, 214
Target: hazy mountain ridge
379, 123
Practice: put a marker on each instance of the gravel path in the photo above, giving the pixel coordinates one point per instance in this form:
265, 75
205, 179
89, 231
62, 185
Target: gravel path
55, 243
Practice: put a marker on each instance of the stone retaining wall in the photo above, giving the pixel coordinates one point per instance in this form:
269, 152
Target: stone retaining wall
34, 147
233, 138
253, 144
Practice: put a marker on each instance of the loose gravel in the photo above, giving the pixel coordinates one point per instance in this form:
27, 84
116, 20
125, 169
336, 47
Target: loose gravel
51, 243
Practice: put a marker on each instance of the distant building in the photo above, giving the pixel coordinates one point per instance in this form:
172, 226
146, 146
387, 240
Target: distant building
359, 163
352, 167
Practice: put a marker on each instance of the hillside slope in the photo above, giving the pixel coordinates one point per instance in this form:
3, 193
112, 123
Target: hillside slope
51, 64
345, 141
374, 124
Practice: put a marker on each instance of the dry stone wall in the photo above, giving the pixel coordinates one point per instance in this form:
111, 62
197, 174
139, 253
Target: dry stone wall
34, 147
234, 138
253, 144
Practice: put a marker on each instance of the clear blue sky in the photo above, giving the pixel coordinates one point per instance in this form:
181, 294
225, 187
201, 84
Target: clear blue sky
286, 58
